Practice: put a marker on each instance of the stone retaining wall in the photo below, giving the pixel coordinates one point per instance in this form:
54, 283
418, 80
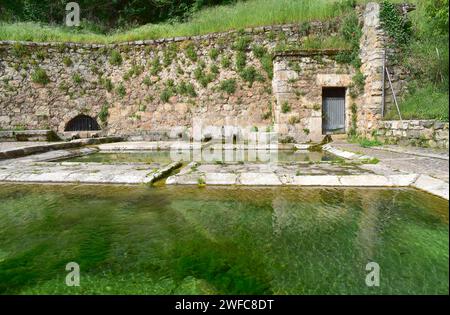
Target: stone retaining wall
159, 87
424, 133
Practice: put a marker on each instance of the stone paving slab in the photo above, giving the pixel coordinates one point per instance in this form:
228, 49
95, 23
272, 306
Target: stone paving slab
50, 156
401, 161
70, 172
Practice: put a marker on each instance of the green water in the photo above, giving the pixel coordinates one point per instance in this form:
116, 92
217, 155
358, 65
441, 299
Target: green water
165, 157
169, 240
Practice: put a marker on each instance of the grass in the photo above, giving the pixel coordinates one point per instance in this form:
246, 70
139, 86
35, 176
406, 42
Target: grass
251, 13
365, 142
423, 103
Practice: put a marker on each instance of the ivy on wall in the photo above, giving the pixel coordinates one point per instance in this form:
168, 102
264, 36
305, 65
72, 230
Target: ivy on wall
397, 26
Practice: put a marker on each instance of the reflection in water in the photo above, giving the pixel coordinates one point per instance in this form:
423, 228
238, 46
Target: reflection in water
172, 240
214, 156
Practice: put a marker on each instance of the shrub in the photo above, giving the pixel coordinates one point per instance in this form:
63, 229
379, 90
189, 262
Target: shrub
155, 66
103, 114
250, 75
115, 58
77, 79
190, 52
40, 76
259, 51
228, 86
241, 60
294, 120
107, 84
121, 91
166, 94
67, 61
285, 107
241, 44
225, 62
393, 22
147, 81
213, 53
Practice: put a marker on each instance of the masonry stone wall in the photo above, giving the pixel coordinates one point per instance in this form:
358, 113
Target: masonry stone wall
299, 79
156, 87
149, 89
423, 133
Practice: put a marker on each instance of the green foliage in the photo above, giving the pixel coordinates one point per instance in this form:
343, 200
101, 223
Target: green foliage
190, 52
241, 60
40, 76
354, 120
77, 79
285, 107
351, 32
120, 90
365, 142
67, 61
228, 86
165, 18
103, 114
242, 43
107, 84
250, 75
166, 94
19, 50
424, 101
155, 66
186, 89
169, 54
213, 53
259, 51
147, 81
437, 16
395, 24
225, 62
115, 58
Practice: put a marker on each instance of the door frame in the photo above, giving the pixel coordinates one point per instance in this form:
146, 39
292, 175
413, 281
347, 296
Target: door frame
341, 91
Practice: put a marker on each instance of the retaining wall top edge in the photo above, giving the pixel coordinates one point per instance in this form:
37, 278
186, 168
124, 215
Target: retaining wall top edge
247, 31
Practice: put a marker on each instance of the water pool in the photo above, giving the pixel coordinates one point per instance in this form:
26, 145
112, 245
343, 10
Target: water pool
282, 156
227, 240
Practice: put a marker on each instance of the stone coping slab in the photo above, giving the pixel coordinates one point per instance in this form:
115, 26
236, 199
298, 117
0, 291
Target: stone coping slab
24, 150
151, 146
292, 175
98, 173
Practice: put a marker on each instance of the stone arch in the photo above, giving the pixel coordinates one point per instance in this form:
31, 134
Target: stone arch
82, 123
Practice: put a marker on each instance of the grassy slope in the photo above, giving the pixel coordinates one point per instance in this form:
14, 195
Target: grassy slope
221, 18
425, 100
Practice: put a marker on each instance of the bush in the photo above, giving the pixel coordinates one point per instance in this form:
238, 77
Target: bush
67, 61
121, 91
166, 94
190, 52
225, 62
228, 86
40, 76
77, 79
103, 114
285, 107
155, 66
213, 53
241, 60
115, 58
250, 75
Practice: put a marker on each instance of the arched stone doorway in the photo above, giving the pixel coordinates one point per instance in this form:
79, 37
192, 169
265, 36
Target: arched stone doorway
82, 123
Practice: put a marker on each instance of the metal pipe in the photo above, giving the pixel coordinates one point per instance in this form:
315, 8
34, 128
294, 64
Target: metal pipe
393, 94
